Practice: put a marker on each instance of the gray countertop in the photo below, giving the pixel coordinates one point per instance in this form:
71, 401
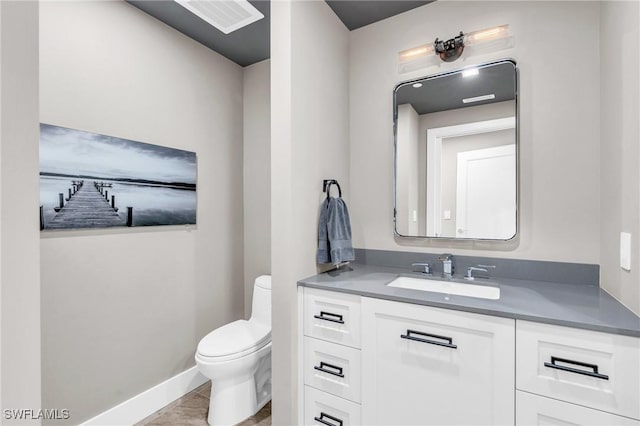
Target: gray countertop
573, 305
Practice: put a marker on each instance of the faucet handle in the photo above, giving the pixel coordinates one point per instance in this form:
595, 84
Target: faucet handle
479, 268
426, 269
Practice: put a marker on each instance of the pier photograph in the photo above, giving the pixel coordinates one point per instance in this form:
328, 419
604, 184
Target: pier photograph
88, 180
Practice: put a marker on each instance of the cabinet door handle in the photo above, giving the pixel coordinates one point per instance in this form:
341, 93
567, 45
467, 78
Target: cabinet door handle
321, 419
448, 344
336, 371
328, 316
593, 367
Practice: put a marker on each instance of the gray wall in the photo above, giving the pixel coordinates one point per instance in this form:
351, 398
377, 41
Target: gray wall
257, 176
309, 142
19, 249
123, 310
559, 128
579, 130
619, 153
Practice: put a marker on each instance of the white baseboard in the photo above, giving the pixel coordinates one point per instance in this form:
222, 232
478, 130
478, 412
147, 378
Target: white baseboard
148, 402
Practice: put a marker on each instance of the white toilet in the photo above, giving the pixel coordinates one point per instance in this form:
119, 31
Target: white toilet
237, 359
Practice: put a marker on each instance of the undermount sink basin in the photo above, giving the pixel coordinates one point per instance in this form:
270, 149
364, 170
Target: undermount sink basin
447, 287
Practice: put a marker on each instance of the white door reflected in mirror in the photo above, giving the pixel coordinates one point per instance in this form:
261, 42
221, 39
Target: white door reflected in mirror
486, 205
471, 171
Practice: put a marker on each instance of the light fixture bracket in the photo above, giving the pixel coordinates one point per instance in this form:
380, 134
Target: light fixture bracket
451, 49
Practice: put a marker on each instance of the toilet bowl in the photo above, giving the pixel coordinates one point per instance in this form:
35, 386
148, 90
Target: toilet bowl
237, 359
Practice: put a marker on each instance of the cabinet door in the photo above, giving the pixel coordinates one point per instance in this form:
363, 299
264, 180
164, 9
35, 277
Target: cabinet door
428, 366
534, 410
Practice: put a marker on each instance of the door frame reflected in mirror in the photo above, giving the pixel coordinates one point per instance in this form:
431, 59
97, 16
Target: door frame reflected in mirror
435, 136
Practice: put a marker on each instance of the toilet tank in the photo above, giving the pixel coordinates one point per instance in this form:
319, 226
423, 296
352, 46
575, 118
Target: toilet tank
261, 306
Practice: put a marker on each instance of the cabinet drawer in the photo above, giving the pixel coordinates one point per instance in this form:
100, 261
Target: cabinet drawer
332, 316
534, 410
321, 408
589, 368
332, 368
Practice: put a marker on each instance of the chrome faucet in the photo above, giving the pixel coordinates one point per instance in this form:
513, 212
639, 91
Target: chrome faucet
447, 265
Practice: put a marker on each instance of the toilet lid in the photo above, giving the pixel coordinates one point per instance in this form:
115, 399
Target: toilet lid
234, 337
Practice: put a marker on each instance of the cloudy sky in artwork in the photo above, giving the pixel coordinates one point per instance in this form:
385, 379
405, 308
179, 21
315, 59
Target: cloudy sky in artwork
75, 152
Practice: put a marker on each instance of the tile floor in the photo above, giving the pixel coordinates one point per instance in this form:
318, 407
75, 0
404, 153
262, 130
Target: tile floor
191, 410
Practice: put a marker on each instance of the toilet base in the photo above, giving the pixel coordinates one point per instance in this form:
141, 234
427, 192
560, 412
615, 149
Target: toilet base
240, 387
232, 402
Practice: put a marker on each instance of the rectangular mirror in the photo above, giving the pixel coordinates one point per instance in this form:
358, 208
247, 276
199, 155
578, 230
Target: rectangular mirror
456, 154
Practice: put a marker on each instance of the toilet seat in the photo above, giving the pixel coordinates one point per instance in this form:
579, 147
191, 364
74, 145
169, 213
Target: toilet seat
234, 340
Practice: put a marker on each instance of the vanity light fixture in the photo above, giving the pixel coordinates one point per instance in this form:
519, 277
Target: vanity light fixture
478, 98
474, 43
487, 35
225, 15
416, 52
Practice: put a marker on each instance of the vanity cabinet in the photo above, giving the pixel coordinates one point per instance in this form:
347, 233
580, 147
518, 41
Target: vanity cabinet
429, 366
367, 361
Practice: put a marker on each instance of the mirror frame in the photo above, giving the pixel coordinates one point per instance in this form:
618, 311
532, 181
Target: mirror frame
517, 143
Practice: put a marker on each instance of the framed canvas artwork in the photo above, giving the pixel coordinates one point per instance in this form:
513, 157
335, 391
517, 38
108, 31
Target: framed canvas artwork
88, 180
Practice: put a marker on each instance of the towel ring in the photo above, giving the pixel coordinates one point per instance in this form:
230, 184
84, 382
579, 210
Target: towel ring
326, 187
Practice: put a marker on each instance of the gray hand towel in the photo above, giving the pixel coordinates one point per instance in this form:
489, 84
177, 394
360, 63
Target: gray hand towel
339, 231
334, 233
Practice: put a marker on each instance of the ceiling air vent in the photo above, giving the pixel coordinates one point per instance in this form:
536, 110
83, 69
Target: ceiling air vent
225, 15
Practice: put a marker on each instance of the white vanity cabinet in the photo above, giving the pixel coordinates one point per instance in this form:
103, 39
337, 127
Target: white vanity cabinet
367, 361
429, 366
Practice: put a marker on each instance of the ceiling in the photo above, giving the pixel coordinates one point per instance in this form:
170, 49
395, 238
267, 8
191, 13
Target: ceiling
358, 13
446, 93
245, 46
250, 44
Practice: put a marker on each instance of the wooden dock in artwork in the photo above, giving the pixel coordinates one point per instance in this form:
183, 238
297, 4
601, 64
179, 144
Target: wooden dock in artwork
87, 207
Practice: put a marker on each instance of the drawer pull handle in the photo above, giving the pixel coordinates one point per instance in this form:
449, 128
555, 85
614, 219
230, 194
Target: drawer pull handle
449, 340
328, 316
593, 373
321, 419
324, 366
